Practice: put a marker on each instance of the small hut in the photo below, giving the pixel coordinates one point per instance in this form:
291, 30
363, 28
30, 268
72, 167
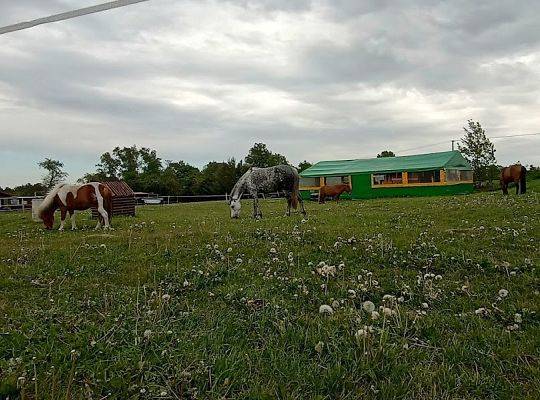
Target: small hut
123, 199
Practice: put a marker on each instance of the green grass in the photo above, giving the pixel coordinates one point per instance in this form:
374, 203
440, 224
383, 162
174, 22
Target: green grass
158, 308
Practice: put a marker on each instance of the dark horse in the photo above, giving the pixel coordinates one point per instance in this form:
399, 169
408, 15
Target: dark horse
514, 173
265, 180
333, 191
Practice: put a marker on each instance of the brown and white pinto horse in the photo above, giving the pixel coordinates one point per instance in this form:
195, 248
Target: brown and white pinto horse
71, 198
333, 191
514, 173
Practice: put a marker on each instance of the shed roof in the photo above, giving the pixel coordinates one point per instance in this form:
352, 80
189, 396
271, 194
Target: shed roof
418, 162
119, 188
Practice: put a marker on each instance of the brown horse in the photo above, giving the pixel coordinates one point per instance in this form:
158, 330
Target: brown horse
514, 173
71, 198
333, 191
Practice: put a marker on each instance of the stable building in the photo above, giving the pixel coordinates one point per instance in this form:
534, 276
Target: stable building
123, 199
433, 174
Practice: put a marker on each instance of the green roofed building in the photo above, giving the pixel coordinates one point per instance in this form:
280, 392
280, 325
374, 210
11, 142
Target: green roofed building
430, 174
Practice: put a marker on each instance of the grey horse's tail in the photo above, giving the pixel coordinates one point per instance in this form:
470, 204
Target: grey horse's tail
523, 180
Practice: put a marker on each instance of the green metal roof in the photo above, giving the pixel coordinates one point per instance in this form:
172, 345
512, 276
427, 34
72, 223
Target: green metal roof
418, 162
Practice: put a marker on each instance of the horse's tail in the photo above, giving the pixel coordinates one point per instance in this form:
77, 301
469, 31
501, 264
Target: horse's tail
523, 179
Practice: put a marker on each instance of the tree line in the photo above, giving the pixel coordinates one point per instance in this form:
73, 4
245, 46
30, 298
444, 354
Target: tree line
145, 171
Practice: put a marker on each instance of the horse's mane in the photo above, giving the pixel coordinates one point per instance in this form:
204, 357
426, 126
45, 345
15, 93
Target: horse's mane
49, 198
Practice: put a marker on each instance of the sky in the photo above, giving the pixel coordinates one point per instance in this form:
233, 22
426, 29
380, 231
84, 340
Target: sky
315, 80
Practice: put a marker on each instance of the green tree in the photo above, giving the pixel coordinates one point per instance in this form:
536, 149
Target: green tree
55, 173
185, 175
386, 153
304, 165
478, 150
260, 156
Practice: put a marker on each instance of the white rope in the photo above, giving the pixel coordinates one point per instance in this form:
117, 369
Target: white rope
69, 14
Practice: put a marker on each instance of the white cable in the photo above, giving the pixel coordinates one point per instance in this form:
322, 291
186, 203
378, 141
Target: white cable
69, 14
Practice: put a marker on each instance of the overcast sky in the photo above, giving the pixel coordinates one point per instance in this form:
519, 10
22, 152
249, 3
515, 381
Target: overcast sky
204, 80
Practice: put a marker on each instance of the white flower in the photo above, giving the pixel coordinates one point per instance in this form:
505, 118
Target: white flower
387, 312
388, 297
186, 283
166, 297
229, 250
239, 260
335, 304
425, 305
401, 299
325, 309
517, 318
360, 333
438, 277
481, 311
375, 315
368, 306
503, 293
273, 250
147, 333
351, 293
319, 347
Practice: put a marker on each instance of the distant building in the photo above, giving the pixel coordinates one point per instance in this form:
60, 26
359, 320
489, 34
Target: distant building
429, 174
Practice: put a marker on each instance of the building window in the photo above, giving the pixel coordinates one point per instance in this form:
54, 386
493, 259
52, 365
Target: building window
424, 176
336, 180
456, 175
310, 182
393, 178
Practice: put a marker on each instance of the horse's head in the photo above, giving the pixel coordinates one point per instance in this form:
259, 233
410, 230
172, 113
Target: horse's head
48, 218
234, 204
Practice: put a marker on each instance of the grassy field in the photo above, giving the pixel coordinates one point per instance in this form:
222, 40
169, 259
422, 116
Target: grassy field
183, 302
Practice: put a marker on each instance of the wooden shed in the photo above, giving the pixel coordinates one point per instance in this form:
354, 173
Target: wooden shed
123, 199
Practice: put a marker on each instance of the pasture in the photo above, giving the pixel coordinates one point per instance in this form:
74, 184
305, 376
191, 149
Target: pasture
183, 302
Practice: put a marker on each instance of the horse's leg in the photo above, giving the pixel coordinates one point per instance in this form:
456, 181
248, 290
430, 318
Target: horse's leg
518, 187
337, 197
72, 218
63, 212
289, 202
256, 209
103, 213
301, 201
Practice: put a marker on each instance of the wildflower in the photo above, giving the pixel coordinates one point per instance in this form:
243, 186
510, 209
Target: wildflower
368, 306
166, 297
388, 297
387, 312
290, 257
325, 309
186, 283
503, 293
401, 299
375, 315
438, 277
229, 250
360, 333
517, 318
351, 293
273, 250
147, 333
425, 305
335, 304
481, 311
239, 260
319, 347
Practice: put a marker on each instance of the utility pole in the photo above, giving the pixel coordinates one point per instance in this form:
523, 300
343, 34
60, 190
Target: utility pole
453, 141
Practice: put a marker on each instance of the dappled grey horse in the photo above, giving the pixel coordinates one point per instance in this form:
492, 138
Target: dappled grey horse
266, 180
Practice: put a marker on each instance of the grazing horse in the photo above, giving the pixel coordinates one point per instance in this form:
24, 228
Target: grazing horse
71, 198
514, 173
333, 191
265, 180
